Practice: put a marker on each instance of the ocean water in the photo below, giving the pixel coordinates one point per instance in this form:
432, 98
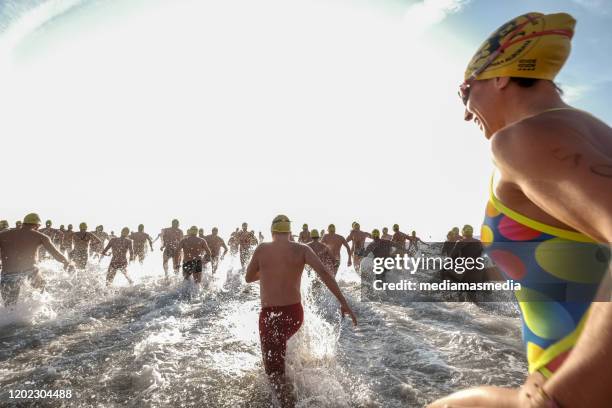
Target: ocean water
169, 343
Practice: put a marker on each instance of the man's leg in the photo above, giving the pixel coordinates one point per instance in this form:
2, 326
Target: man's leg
10, 288
176, 262
165, 263
110, 275
124, 272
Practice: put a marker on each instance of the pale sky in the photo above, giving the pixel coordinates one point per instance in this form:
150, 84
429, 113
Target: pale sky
222, 112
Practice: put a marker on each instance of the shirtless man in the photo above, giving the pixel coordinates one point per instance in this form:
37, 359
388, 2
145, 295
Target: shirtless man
66, 246
81, 241
399, 238
50, 232
139, 239
335, 243
121, 247
323, 252
193, 248
215, 243
17, 224
59, 237
246, 241
19, 250
233, 242
304, 236
386, 235
278, 266
171, 237
96, 247
201, 233
358, 237
413, 246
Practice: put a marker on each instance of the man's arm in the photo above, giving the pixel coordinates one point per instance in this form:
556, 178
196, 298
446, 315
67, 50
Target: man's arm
252, 273
350, 252
110, 242
223, 246
207, 248
46, 243
95, 237
315, 263
150, 242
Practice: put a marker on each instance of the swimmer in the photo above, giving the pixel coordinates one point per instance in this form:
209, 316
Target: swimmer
121, 247
399, 238
413, 245
59, 238
386, 235
278, 266
96, 247
193, 248
19, 251
66, 245
552, 182
335, 243
381, 248
215, 243
139, 239
81, 241
170, 239
304, 236
246, 241
358, 237
4, 225
323, 252
50, 232
201, 233
233, 242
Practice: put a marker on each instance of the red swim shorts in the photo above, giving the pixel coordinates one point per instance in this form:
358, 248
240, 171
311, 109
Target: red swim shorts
276, 325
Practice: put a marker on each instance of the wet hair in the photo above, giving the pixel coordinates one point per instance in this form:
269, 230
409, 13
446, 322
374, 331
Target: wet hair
529, 82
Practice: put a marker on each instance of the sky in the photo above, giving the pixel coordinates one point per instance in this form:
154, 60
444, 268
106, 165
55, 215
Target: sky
215, 113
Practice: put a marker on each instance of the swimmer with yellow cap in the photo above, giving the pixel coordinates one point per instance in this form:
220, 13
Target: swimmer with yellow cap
121, 246
335, 242
170, 239
19, 248
552, 184
81, 241
357, 237
304, 236
278, 266
196, 253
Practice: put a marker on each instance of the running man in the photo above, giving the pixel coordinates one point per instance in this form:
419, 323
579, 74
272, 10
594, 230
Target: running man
323, 252
121, 247
380, 248
304, 236
19, 251
170, 238
335, 243
278, 266
386, 235
413, 245
193, 248
399, 238
66, 246
215, 243
139, 239
358, 237
50, 232
233, 242
96, 247
201, 233
553, 182
81, 241
4, 225
59, 237
246, 241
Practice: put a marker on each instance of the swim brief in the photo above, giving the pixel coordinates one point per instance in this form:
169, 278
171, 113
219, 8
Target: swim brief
193, 266
170, 252
276, 325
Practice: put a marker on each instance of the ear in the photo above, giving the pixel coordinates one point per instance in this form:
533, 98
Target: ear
501, 82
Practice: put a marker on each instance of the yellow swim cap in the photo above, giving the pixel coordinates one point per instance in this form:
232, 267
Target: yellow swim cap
468, 229
281, 223
395, 227
331, 228
175, 223
83, 226
32, 218
125, 231
193, 230
4, 224
48, 223
375, 233
533, 45
314, 234
305, 226
356, 225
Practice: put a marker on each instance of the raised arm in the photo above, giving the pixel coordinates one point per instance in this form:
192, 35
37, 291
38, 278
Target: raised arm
315, 263
252, 274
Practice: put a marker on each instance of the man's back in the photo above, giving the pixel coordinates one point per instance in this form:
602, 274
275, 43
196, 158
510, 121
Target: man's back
281, 264
193, 247
18, 248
